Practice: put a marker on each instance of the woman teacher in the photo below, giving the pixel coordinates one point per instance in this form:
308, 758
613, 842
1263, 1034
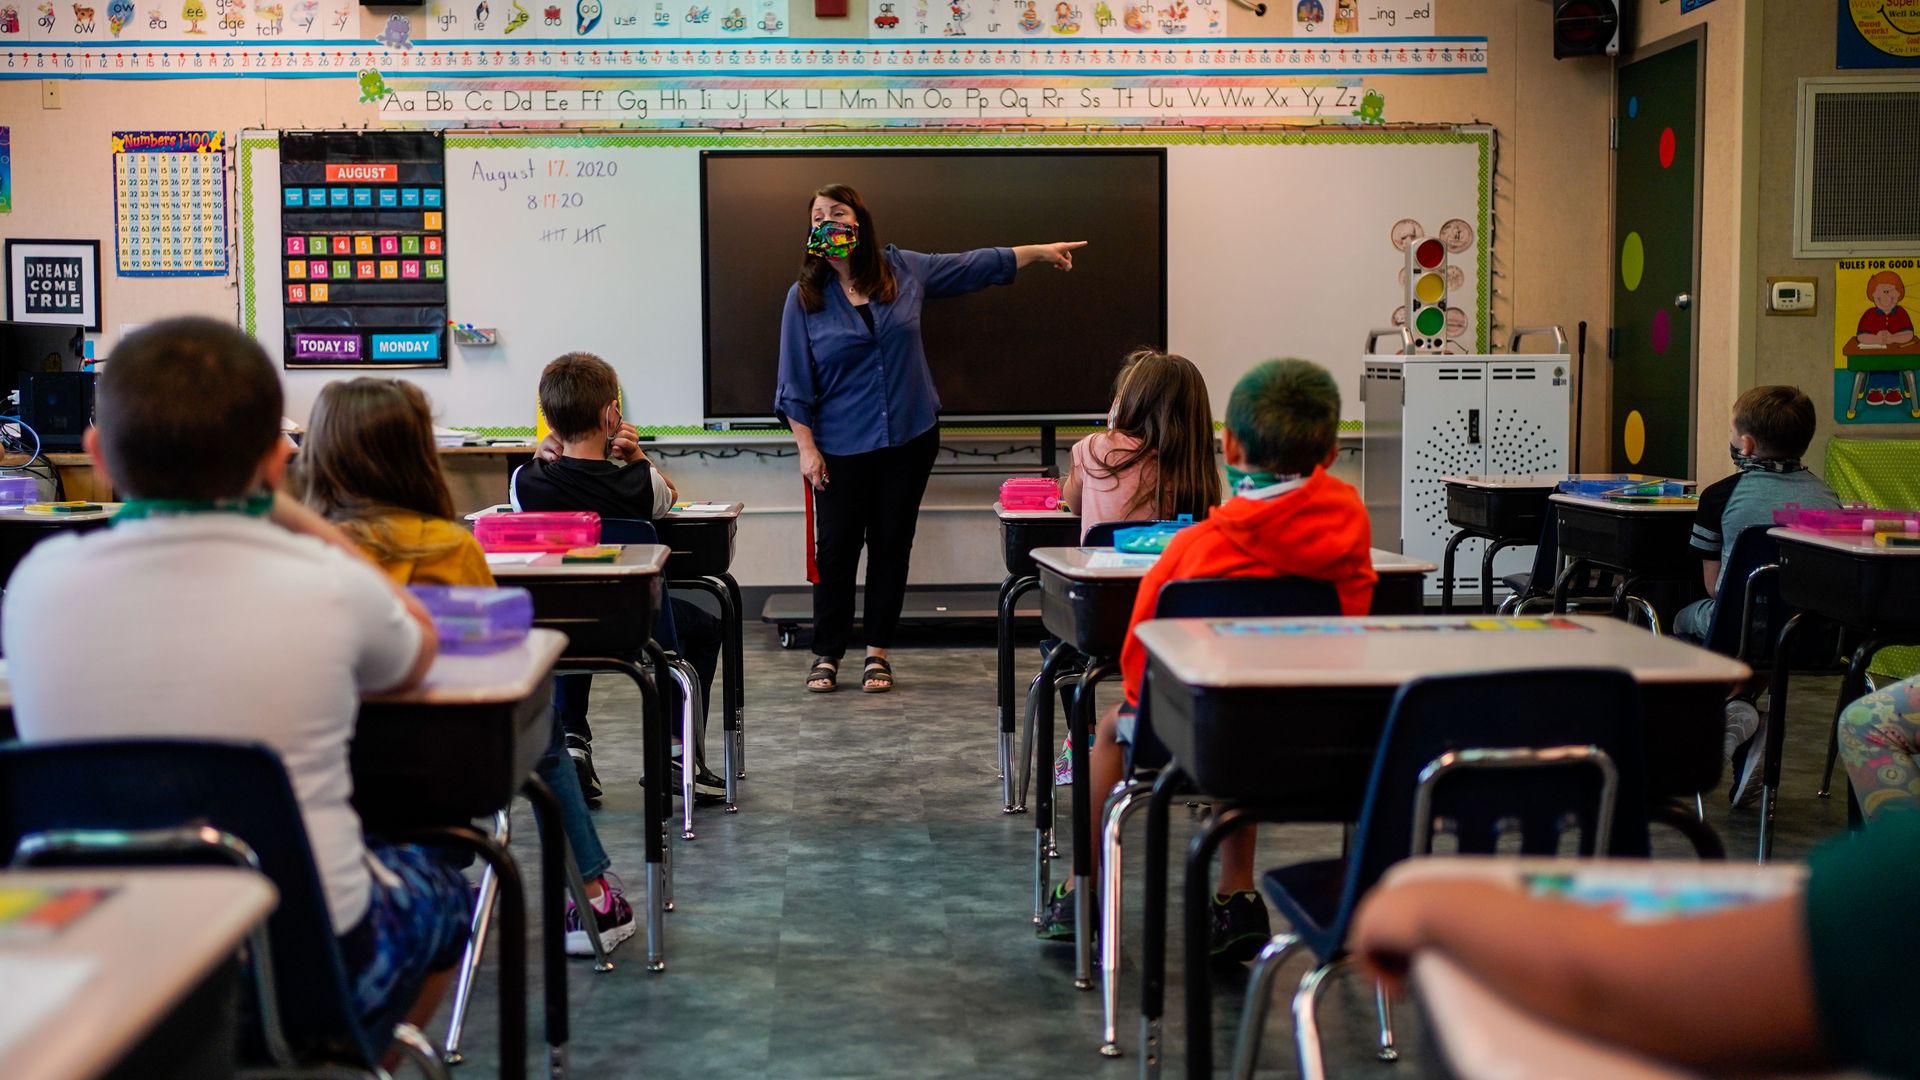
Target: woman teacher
856, 390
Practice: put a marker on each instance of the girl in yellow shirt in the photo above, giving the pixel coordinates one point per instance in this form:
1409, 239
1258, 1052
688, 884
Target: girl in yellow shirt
369, 465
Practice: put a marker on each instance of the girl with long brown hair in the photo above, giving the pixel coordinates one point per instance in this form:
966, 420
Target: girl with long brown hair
369, 465
855, 388
1155, 460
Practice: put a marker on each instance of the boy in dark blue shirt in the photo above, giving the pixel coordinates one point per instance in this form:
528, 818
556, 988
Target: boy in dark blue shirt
580, 397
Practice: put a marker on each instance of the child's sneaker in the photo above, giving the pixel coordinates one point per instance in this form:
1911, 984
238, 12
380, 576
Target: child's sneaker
1876, 396
1749, 766
616, 924
708, 789
581, 751
1743, 719
1058, 922
1240, 927
1895, 397
1063, 765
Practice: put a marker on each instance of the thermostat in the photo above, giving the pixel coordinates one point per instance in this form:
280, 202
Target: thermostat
1790, 296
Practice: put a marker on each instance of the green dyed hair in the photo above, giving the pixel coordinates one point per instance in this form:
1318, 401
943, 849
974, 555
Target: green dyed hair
1286, 414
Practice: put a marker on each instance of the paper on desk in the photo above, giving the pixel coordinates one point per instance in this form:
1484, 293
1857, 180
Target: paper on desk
703, 507
1117, 560
34, 989
512, 558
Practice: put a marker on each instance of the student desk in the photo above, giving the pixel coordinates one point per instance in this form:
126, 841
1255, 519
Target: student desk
457, 747
1086, 600
1280, 719
607, 612
1849, 580
1021, 531
1402, 588
1484, 1036
148, 975
701, 537
1504, 510
1640, 541
19, 531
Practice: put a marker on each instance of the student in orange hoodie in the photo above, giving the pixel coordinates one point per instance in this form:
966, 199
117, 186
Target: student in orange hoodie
1287, 518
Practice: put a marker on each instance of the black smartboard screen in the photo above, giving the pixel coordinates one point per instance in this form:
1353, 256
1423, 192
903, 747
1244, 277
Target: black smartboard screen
1046, 347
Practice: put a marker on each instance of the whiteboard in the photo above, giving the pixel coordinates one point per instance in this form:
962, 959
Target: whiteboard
1278, 244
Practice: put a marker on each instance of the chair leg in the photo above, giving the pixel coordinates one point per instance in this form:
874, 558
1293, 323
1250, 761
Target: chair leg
1306, 1025
1127, 798
688, 683
476, 943
1253, 1016
421, 1049
1833, 757
1384, 1005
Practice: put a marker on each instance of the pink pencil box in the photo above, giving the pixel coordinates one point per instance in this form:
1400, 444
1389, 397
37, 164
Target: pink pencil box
1030, 493
1848, 519
552, 531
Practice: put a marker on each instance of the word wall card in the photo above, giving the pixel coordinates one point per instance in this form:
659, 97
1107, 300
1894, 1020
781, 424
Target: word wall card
170, 203
363, 243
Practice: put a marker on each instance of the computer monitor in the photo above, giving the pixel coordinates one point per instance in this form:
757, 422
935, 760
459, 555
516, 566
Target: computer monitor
42, 363
28, 347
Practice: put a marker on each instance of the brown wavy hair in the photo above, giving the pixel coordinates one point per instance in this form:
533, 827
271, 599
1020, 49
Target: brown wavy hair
369, 452
871, 274
1161, 400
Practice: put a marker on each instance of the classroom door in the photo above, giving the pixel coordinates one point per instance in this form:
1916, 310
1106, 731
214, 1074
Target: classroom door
1656, 237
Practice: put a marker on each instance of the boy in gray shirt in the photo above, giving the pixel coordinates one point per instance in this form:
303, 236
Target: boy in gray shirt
1772, 427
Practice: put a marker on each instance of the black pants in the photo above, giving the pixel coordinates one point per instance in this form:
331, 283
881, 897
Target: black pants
871, 500
699, 644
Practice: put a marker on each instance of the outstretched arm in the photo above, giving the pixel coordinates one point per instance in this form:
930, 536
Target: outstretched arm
1724, 990
1057, 254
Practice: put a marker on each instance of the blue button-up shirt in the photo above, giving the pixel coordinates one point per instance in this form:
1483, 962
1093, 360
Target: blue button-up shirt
861, 389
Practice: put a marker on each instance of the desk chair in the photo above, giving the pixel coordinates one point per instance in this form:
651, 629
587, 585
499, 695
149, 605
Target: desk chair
1481, 757
178, 802
1536, 584
1193, 598
1746, 616
1101, 534
686, 682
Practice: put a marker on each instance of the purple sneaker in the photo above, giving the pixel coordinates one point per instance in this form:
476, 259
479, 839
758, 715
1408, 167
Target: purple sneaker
616, 924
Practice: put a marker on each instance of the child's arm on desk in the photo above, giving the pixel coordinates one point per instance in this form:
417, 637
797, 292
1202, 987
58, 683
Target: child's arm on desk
295, 516
1732, 988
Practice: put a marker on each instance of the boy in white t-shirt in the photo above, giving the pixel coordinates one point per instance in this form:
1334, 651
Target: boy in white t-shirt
230, 612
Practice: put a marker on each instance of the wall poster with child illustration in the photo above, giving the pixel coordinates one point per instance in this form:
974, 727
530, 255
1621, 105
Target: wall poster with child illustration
1875, 351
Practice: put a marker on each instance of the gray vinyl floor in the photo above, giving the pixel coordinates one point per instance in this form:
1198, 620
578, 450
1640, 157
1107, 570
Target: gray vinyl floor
866, 914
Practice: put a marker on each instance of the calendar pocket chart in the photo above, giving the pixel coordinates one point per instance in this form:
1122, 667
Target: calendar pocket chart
363, 249
170, 203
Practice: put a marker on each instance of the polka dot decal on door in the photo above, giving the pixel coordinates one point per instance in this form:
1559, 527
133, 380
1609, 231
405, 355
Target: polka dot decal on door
1662, 335
1667, 147
1634, 439
1633, 261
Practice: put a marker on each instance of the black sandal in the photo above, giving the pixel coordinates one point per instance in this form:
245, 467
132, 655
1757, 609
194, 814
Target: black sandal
877, 676
827, 670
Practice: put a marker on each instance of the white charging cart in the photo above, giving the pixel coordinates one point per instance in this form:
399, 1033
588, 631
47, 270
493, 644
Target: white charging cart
1430, 415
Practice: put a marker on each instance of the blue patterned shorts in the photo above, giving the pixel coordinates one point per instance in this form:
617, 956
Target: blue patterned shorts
414, 925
